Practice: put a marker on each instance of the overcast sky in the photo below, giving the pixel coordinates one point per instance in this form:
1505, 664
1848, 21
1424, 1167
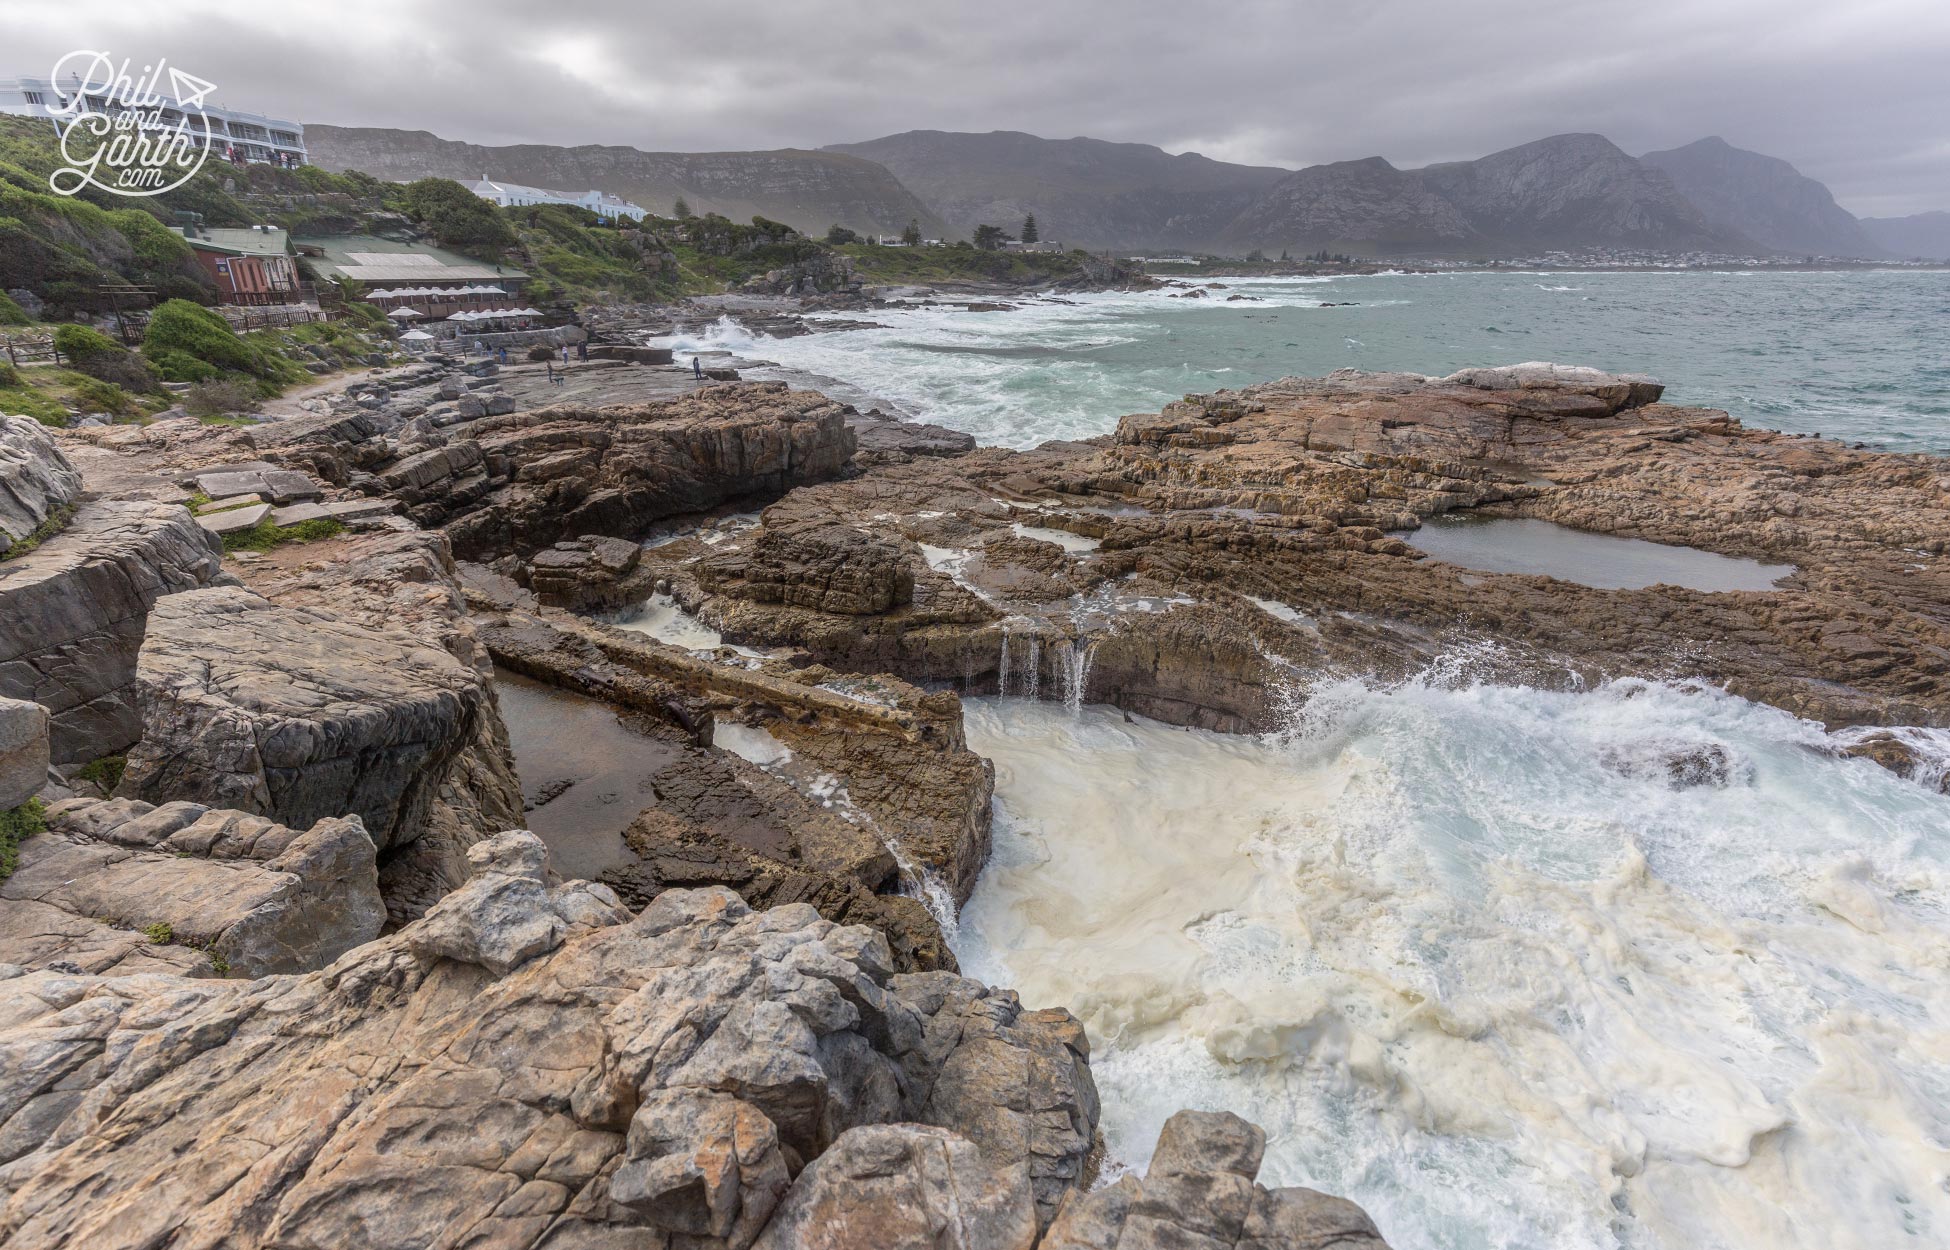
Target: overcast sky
1853, 92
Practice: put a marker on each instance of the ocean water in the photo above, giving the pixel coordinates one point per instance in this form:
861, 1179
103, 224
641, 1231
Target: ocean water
1474, 961
1467, 952
1855, 355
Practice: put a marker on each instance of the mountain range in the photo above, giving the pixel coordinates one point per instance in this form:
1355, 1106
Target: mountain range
806, 190
1571, 192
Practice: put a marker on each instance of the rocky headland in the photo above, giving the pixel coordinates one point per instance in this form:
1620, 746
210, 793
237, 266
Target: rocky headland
295, 973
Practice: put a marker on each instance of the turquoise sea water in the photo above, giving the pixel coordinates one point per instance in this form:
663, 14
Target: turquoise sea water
1863, 356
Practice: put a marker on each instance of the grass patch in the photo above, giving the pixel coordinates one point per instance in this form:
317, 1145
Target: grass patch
160, 933
57, 520
265, 535
17, 826
105, 772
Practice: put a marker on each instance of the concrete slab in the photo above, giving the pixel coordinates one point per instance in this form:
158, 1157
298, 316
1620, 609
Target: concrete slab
224, 485
235, 520
224, 505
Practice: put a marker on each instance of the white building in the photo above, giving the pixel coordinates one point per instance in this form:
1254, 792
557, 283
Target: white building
247, 138
511, 194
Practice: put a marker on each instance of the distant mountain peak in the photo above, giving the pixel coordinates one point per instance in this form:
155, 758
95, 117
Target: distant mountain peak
1763, 197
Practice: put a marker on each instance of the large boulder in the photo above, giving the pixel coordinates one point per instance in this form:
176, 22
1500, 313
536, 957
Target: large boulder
527, 1065
36, 480
73, 612
23, 751
1200, 1194
118, 887
903, 1187
297, 713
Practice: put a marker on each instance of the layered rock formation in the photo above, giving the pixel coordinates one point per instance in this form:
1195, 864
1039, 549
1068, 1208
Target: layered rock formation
118, 888
524, 481
1184, 569
74, 611
358, 687
23, 751
36, 481
532, 1066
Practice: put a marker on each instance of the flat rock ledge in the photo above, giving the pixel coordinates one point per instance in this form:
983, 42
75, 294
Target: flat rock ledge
530, 1066
297, 713
117, 888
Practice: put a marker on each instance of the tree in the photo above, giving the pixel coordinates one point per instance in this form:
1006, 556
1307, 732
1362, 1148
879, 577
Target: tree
1255, 256
912, 235
1285, 256
681, 210
1029, 232
839, 235
990, 238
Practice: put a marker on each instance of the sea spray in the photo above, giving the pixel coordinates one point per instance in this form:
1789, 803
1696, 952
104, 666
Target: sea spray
1475, 965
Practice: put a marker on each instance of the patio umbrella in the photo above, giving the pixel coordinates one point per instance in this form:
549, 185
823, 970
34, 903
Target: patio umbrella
404, 313
415, 336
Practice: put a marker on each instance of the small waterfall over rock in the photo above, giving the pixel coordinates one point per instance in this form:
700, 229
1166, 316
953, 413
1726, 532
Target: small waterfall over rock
1077, 656
1002, 666
1032, 677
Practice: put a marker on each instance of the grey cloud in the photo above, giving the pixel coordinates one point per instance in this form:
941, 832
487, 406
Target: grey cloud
1853, 94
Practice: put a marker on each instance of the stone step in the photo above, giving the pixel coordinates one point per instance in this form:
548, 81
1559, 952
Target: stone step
235, 520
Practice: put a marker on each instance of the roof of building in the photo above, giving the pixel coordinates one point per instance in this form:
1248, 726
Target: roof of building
365, 258
238, 241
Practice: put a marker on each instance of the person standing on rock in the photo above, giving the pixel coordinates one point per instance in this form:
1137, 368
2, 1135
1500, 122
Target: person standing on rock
697, 369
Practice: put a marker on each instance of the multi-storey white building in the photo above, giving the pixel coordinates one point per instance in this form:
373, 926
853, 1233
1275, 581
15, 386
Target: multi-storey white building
247, 138
511, 194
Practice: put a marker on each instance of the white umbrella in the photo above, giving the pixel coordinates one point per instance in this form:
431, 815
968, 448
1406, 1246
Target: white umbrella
415, 336
463, 315
380, 294
404, 313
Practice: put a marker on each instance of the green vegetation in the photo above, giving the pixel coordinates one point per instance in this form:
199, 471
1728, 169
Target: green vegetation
57, 521
458, 218
961, 262
105, 772
12, 314
19, 395
266, 535
160, 933
16, 826
189, 343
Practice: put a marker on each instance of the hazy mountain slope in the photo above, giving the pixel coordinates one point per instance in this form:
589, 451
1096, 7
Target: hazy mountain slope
1920, 234
1365, 207
1084, 192
1575, 191
807, 190
1762, 197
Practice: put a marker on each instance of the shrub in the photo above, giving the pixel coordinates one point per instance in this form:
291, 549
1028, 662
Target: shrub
160, 933
9, 377
102, 358
105, 772
95, 395
16, 826
179, 366
12, 314
840, 236
178, 325
219, 396
457, 217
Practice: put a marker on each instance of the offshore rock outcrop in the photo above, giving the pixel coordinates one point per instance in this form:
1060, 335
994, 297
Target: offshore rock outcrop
1200, 1192
531, 1065
1199, 564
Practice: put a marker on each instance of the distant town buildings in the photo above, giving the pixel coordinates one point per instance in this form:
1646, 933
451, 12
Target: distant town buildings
511, 194
250, 265
236, 136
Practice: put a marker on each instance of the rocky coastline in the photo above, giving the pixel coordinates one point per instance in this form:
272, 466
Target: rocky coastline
296, 974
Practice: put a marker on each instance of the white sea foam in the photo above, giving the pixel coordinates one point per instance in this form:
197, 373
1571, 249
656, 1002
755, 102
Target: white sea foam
1473, 960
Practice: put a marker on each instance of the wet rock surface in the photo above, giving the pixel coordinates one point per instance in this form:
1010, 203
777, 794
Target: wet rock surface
1201, 562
